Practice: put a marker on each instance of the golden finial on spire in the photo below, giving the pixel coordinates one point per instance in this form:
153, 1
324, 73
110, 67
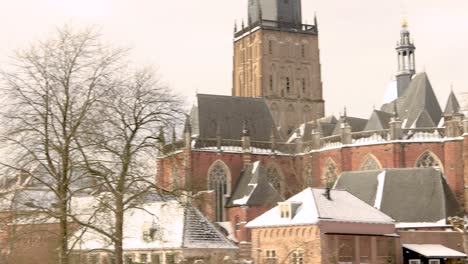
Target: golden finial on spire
404, 23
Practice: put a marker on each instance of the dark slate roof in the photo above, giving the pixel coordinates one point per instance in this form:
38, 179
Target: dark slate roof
418, 98
452, 105
253, 188
200, 233
379, 120
231, 113
307, 130
424, 120
413, 195
326, 125
357, 124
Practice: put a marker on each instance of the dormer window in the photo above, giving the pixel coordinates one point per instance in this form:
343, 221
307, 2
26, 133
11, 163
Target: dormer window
288, 209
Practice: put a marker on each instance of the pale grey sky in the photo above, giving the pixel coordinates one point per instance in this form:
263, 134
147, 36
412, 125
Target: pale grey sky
190, 41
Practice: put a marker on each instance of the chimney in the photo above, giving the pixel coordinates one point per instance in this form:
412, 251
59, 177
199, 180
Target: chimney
327, 193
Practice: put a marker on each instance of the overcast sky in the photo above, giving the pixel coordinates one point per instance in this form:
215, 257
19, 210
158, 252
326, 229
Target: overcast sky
190, 41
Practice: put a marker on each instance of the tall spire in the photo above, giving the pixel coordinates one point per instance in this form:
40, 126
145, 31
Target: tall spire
406, 58
452, 106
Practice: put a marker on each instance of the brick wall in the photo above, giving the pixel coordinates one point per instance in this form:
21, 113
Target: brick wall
284, 240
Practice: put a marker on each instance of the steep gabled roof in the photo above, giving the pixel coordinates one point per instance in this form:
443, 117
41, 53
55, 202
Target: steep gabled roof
326, 125
423, 120
379, 120
418, 98
253, 188
357, 124
314, 206
414, 195
200, 233
231, 113
452, 105
174, 224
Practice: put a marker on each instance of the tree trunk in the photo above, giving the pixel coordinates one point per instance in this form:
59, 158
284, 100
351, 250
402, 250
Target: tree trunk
63, 233
119, 215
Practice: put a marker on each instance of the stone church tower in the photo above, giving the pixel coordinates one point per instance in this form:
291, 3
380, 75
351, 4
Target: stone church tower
277, 57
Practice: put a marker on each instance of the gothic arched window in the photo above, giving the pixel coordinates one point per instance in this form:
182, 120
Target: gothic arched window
274, 177
330, 174
371, 163
218, 181
427, 160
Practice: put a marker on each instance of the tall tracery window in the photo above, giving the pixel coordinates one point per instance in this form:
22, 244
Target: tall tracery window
370, 164
274, 177
330, 174
427, 160
218, 182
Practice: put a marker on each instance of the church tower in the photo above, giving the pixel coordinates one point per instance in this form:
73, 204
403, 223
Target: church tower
277, 57
406, 60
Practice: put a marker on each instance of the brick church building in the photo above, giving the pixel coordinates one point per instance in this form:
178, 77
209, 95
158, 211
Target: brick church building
240, 155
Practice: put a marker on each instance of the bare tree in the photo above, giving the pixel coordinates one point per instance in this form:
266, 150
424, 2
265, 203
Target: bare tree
123, 141
51, 88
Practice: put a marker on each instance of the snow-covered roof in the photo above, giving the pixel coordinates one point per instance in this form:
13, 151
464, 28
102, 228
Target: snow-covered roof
158, 225
434, 251
314, 206
254, 189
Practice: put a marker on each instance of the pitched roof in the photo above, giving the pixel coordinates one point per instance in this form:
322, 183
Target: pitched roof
200, 233
176, 225
379, 120
253, 188
326, 125
452, 105
231, 113
434, 251
414, 195
417, 99
315, 207
344, 206
357, 124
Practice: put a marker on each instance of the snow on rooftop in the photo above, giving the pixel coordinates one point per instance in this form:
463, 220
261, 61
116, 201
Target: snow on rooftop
380, 189
315, 207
